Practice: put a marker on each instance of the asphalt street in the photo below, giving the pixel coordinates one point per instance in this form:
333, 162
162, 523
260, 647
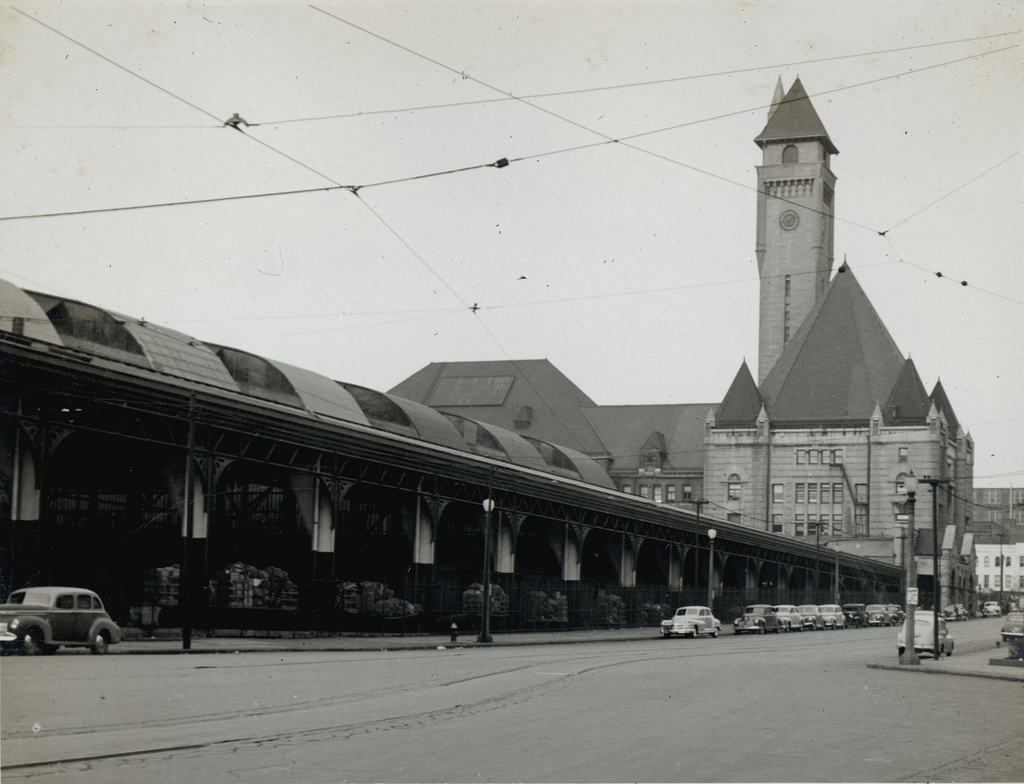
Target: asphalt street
797, 707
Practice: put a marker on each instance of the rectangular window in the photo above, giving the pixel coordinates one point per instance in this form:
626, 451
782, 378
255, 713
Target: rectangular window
645, 492
1022, 560
860, 520
658, 497
812, 456
904, 454
799, 518
670, 494
837, 525
985, 584
812, 493
837, 457
801, 456
1021, 581
687, 493
627, 488
733, 517
837, 494
812, 522
826, 494
777, 494
862, 494
777, 526
798, 529
734, 491
801, 493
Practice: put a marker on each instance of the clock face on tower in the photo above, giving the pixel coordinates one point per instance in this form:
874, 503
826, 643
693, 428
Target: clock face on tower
789, 220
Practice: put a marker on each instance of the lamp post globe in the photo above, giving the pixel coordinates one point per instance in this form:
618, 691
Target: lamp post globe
485, 610
712, 533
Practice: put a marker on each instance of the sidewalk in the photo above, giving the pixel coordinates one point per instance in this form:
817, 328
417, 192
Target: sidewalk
969, 662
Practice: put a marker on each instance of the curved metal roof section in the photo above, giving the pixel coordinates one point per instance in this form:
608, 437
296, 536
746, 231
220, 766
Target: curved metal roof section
431, 424
322, 396
177, 354
88, 328
18, 304
514, 447
380, 410
258, 377
575, 464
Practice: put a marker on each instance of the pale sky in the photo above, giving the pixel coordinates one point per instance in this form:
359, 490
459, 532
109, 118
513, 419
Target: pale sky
629, 264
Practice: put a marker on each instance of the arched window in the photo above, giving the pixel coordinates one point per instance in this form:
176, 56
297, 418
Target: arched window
735, 487
901, 486
790, 154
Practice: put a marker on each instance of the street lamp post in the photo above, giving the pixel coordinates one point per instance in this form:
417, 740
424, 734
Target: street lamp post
712, 533
936, 577
485, 612
909, 655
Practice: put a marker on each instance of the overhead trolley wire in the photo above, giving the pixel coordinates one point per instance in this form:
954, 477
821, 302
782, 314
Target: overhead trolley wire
629, 85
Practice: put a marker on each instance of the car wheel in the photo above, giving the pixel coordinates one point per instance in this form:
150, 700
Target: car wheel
760, 628
714, 632
900, 649
100, 644
32, 644
950, 651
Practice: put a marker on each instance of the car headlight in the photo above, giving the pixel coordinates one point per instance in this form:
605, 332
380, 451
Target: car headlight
13, 624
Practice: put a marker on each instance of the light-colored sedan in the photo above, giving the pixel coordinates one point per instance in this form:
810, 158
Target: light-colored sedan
691, 621
832, 616
924, 635
789, 617
991, 608
812, 616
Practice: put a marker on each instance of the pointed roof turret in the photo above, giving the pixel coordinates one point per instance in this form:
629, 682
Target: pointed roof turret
794, 118
942, 403
776, 99
742, 403
909, 403
840, 363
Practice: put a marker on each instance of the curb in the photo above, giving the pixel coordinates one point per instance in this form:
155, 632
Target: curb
960, 673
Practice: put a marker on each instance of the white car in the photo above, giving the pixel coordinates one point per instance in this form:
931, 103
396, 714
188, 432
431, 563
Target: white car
924, 635
790, 617
691, 621
991, 608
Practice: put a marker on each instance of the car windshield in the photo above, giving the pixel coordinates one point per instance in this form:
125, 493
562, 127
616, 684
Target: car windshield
30, 597
876, 608
808, 609
755, 611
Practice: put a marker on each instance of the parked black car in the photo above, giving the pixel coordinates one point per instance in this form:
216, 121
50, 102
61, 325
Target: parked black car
856, 615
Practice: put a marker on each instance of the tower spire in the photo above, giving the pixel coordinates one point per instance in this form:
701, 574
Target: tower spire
777, 98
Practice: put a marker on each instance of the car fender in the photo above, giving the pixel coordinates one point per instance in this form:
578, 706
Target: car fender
26, 622
103, 625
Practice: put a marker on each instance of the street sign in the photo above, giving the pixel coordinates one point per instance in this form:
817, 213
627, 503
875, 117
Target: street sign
912, 596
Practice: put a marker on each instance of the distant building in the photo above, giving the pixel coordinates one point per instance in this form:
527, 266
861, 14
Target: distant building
1000, 573
997, 515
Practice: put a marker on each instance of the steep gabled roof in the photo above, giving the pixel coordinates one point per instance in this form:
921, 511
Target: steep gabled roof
942, 404
742, 403
909, 403
794, 118
501, 391
841, 363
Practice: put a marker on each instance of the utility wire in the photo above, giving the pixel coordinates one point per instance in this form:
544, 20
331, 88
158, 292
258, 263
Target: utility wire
630, 85
950, 193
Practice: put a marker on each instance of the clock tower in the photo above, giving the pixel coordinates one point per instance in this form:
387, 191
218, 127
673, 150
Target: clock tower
795, 207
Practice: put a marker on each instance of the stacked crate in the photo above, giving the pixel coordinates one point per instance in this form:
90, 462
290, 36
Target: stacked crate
160, 586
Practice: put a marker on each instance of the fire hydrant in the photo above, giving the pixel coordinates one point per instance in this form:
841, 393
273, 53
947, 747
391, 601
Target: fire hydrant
455, 632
